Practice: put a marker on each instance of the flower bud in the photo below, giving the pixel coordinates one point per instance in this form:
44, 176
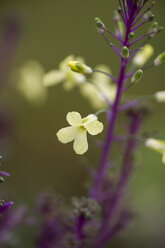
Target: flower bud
137, 76
148, 16
119, 10
1, 180
116, 16
160, 29
125, 52
160, 59
99, 23
151, 17
160, 96
131, 35
79, 67
154, 25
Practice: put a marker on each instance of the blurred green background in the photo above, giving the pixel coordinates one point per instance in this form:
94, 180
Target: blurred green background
51, 30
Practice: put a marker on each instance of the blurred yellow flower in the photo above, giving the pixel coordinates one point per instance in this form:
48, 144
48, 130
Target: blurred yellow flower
160, 96
143, 55
100, 90
69, 78
78, 129
157, 145
30, 82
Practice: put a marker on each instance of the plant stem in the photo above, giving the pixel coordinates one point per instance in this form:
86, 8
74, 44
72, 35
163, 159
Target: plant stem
94, 192
110, 134
108, 232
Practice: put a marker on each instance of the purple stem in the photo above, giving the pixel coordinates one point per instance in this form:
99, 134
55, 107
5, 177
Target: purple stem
94, 192
128, 105
81, 221
138, 26
114, 205
6, 206
115, 36
109, 137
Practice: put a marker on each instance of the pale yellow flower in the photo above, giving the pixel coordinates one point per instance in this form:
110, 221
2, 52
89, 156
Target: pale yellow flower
143, 55
160, 96
64, 74
30, 82
157, 145
78, 129
100, 90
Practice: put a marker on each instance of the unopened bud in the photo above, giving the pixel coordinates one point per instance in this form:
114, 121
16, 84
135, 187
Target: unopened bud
153, 3
160, 29
160, 59
116, 16
119, 10
148, 16
79, 67
131, 35
1, 180
154, 29
154, 25
151, 18
125, 52
99, 23
137, 76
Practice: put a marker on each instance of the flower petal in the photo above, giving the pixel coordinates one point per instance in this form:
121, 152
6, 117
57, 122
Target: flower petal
163, 159
94, 127
74, 119
67, 134
99, 78
53, 77
64, 64
30, 82
80, 145
157, 145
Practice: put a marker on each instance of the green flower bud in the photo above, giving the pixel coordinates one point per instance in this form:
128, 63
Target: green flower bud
119, 10
151, 17
125, 52
160, 59
137, 76
131, 35
154, 25
160, 28
99, 23
148, 16
116, 16
153, 3
79, 67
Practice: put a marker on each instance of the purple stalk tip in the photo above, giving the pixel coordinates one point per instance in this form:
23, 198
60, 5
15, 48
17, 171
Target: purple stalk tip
6, 206
4, 173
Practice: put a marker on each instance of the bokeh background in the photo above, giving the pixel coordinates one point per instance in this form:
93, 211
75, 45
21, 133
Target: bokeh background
49, 31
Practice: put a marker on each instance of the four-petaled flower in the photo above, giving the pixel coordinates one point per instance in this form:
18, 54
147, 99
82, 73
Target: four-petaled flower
78, 129
157, 145
30, 82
